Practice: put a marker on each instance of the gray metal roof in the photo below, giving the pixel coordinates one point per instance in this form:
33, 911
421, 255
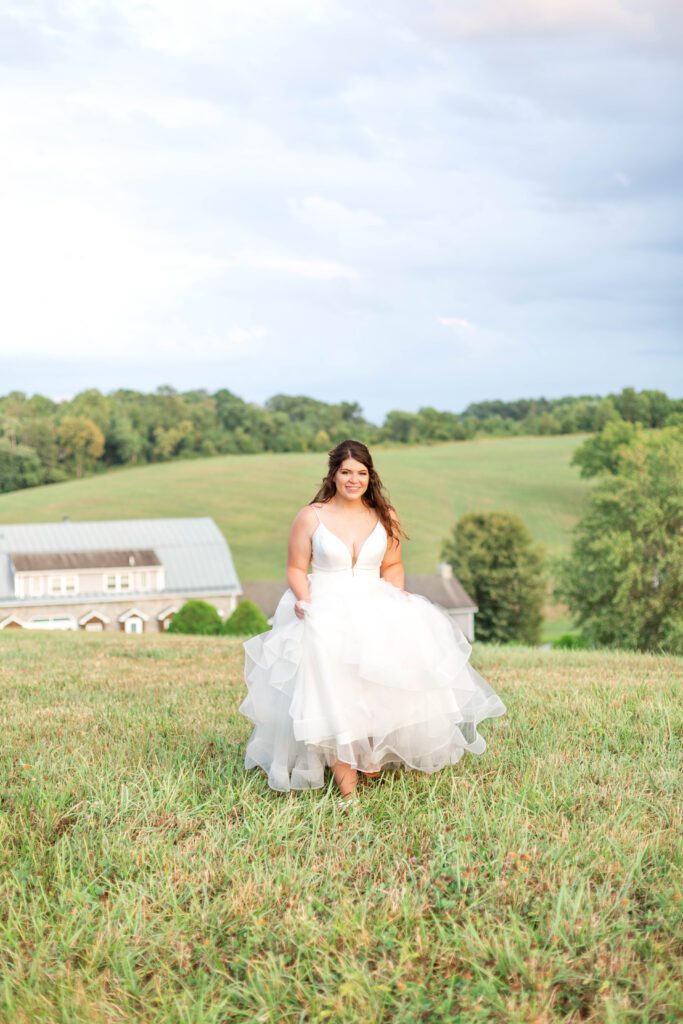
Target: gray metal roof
449, 593
444, 591
193, 551
265, 593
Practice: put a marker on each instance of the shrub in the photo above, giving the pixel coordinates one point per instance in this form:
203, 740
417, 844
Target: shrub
196, 617
246, 620
570, 642
492, 555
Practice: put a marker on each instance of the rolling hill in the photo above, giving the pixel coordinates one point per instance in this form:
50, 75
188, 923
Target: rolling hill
254, 497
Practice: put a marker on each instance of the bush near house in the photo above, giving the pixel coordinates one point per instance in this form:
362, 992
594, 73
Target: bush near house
570, 642
197, 617
246, 620
493, 556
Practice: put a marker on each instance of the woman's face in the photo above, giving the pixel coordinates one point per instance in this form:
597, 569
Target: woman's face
351, 479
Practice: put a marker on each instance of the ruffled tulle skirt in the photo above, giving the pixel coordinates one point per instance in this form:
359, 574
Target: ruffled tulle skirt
371, 677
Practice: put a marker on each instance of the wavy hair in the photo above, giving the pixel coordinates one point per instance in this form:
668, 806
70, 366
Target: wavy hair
374, 496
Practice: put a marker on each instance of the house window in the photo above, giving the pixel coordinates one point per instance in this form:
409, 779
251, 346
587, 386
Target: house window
121, 582
62, 585
35, 586
133, 625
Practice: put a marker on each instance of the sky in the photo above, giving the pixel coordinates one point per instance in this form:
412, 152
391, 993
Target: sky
398, 203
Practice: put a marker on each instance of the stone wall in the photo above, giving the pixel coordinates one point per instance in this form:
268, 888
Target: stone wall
150, 606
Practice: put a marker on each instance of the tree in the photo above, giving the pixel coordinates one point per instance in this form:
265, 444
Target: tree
434, 425
321, 441
172, 441
492, 555
623, 580
246, 620
39, 433
81, 441
123, 444
197, 617
19, 466
633, 406
401, 426
92, 405
602, 452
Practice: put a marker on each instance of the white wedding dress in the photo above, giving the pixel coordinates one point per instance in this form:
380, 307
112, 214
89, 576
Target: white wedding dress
370, 676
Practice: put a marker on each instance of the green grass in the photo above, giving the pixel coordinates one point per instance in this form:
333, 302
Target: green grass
144, 875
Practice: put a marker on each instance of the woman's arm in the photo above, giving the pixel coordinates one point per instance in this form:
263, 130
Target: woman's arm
299, 555
392, 567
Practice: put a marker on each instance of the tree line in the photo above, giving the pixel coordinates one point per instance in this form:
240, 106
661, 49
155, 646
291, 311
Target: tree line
45, 441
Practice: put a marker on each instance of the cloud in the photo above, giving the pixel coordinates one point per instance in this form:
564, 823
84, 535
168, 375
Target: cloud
331, 215
439, 187
79, 281
480, 345
646, 20
277, 263
182, 27
456, 322
171, 113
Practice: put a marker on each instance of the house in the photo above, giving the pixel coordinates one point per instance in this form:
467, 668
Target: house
446, 590
442, 588
127, 575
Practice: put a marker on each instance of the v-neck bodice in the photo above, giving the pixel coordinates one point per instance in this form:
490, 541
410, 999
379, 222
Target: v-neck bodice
331, 554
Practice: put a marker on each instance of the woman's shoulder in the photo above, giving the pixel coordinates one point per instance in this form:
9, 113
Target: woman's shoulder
307, 514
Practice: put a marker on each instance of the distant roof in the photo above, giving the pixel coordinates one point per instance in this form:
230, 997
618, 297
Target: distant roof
446, 592
265, 594
442, 590
94, 559
193, 551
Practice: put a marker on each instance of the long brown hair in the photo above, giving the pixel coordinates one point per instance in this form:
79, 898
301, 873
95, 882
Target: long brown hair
374, 497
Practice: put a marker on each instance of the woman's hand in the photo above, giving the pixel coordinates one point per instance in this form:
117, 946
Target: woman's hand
300, 607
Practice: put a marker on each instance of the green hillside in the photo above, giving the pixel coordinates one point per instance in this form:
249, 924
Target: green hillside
254, 497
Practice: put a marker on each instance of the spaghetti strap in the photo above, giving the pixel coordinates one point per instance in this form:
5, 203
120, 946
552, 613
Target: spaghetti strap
316, 512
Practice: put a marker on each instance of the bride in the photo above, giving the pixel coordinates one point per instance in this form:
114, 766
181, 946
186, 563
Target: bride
356, 673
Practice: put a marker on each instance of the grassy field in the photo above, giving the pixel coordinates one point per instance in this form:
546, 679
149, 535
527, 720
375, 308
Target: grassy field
144, 876
253, 498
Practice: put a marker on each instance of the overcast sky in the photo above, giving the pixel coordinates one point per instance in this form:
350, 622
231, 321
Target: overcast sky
396, 202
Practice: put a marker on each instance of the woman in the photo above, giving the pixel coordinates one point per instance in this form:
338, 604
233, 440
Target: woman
356, 673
